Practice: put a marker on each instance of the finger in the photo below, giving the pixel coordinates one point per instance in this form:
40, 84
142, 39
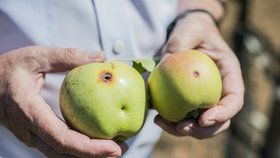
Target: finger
225, 110
47, 150
184, 37
167, 126
232, 97
63, 140
177, 43
60, 59
44, 59
191, 128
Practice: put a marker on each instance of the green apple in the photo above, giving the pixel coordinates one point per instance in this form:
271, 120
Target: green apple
183, 82
104, 100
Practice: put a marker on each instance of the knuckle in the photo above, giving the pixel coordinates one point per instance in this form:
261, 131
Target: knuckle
71, 53
219, 116
29, 61
32, 58
227, 63
172, 45
223, 57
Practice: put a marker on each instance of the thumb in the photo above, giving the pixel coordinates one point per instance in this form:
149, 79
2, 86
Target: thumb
182, 39
177, 43
46, 59
59, 59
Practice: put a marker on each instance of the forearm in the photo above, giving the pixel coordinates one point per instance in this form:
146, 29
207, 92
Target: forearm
214, 7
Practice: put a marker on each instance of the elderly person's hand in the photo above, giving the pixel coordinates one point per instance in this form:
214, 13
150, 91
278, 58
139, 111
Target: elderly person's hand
198, 31
30, 118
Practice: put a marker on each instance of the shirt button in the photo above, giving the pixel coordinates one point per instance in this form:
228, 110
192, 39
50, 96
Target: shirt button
118, 47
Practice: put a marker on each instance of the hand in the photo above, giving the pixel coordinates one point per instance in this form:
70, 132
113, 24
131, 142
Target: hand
30, 118
198, 31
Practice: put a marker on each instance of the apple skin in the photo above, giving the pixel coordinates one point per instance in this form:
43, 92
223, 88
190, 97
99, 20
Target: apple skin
182, 82
104, 100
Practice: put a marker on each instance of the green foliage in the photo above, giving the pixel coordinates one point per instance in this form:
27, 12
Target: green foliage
144, 64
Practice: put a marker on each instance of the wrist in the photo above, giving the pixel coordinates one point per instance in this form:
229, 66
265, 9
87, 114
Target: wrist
197, 18
214, 7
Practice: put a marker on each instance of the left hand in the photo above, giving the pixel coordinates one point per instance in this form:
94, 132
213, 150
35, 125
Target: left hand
24, 111
198, 31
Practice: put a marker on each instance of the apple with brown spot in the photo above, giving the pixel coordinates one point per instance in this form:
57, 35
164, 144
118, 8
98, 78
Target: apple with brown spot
183, 82
104, 100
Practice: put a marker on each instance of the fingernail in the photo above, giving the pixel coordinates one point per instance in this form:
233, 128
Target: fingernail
185, 127
186, 130
208, 123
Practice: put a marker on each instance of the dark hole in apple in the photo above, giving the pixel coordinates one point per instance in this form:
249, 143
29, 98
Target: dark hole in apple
123, 107
196, 73
106, 77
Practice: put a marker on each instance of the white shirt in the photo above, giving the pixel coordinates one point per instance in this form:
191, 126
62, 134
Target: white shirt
124, 29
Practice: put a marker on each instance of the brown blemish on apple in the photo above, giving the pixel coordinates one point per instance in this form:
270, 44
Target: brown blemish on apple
106, 76
196, 73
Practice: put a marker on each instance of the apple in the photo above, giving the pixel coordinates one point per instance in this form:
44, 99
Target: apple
183, 82
104, 100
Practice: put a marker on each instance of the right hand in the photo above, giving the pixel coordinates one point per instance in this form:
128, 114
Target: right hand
30, 118
198, 31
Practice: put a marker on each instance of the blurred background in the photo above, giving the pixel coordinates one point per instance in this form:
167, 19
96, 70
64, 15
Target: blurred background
252, 29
